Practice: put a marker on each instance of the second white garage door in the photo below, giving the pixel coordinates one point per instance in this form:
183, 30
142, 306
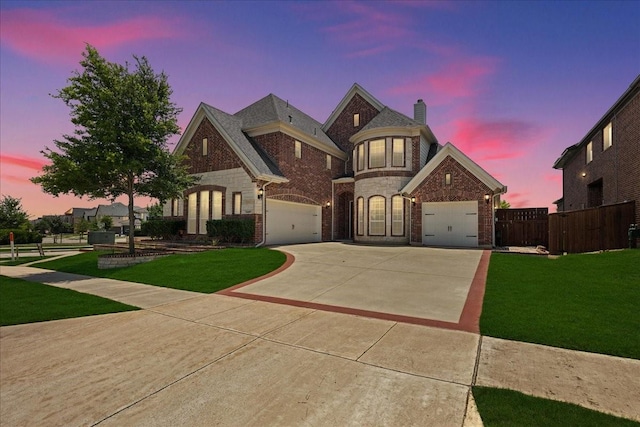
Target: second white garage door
289, 222
450, 224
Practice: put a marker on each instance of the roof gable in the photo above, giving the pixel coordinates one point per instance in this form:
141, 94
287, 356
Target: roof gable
450, 150
230, 128
355, 89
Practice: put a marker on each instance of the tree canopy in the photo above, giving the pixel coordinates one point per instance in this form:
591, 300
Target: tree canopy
123, 119
11, 213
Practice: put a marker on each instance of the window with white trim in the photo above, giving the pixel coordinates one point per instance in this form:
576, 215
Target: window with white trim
356, 120
360, 213
216, 205
376, 216
447, 178
398, 152
205, 147
590, 152
397, 216
607, 137
360, 157
376, 153
298, 149
329, 161
204, 212
192, 214
237, 203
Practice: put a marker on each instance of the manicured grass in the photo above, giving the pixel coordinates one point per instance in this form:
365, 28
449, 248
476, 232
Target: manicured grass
500, 407
22, 301
22, 260
206, 272
584, 302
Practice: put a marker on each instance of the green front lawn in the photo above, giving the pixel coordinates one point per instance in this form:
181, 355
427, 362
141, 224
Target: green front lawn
206, 272
584, 302
22, 301
500, 407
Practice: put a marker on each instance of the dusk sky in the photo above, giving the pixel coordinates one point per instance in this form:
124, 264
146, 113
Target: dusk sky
510, 83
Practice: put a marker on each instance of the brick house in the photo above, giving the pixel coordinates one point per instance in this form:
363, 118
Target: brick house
604, 167
368, 174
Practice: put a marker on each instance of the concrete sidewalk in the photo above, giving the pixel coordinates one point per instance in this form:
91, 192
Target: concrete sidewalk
136, 294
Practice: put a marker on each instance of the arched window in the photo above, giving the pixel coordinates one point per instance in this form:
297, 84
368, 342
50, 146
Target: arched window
377, 224
397, 216
360, 213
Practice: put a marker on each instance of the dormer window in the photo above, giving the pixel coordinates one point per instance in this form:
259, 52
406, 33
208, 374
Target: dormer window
356, 120
205, 148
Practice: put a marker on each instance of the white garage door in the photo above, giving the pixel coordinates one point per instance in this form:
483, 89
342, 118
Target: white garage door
450, 224
289, 222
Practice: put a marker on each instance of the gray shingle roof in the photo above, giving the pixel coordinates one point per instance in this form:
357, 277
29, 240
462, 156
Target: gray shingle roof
233, 126
272, 109
390, 118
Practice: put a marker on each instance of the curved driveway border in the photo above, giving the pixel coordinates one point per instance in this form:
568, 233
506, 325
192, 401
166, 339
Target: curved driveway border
469, 319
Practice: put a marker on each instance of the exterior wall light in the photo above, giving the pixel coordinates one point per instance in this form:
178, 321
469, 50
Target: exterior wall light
413, 200
583, 174
328, 205
260, 193
487, 197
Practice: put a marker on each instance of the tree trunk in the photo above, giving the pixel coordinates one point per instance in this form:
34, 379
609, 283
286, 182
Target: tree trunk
132, 219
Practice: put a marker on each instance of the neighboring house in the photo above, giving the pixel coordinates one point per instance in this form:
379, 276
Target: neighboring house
604, 167
74, 215
368, 174
119, 213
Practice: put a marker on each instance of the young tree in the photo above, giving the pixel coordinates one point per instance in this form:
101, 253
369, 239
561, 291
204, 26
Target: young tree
81, 227
11, 213
123, 120
504, 204
107, 222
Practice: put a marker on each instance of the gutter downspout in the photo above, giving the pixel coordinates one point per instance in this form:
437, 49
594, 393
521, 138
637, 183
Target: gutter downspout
264, 214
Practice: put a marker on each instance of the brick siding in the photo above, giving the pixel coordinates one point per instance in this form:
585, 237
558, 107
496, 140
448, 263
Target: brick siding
464, 187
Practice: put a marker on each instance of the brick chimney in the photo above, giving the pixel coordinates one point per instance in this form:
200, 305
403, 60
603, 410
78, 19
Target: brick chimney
420, 112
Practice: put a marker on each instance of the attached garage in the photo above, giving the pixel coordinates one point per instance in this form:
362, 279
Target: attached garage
450, 224
289, 222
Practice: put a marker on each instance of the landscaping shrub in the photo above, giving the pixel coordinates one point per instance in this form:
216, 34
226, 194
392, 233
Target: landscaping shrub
19, 236
158, 228
231, 230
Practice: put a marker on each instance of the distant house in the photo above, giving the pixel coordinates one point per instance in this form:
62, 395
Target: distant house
119, 213
604, 166
368, 174
74, 215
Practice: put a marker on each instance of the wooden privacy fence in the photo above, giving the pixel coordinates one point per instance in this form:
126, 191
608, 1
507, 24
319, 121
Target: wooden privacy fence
593, 229
522, 227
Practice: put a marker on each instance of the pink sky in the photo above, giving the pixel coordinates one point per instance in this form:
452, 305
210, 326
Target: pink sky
510, 84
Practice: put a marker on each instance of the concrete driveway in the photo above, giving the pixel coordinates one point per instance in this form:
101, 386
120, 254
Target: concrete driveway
428, 286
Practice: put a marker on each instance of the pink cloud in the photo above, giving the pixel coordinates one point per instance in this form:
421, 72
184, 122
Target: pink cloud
23, 161
43, 35
517, 200
461, 78
16, 179
493, 139
554, 177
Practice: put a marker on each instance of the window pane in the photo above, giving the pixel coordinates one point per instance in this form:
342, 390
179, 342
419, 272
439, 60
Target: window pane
376, 216
376, 153
237, 203
216, 205
608, 137
298, 149
360, 208
398, 152
191, 213
360, 157
356, 120
174, 207
328, 161
204, 211
589, 152
397, 216
205, 148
